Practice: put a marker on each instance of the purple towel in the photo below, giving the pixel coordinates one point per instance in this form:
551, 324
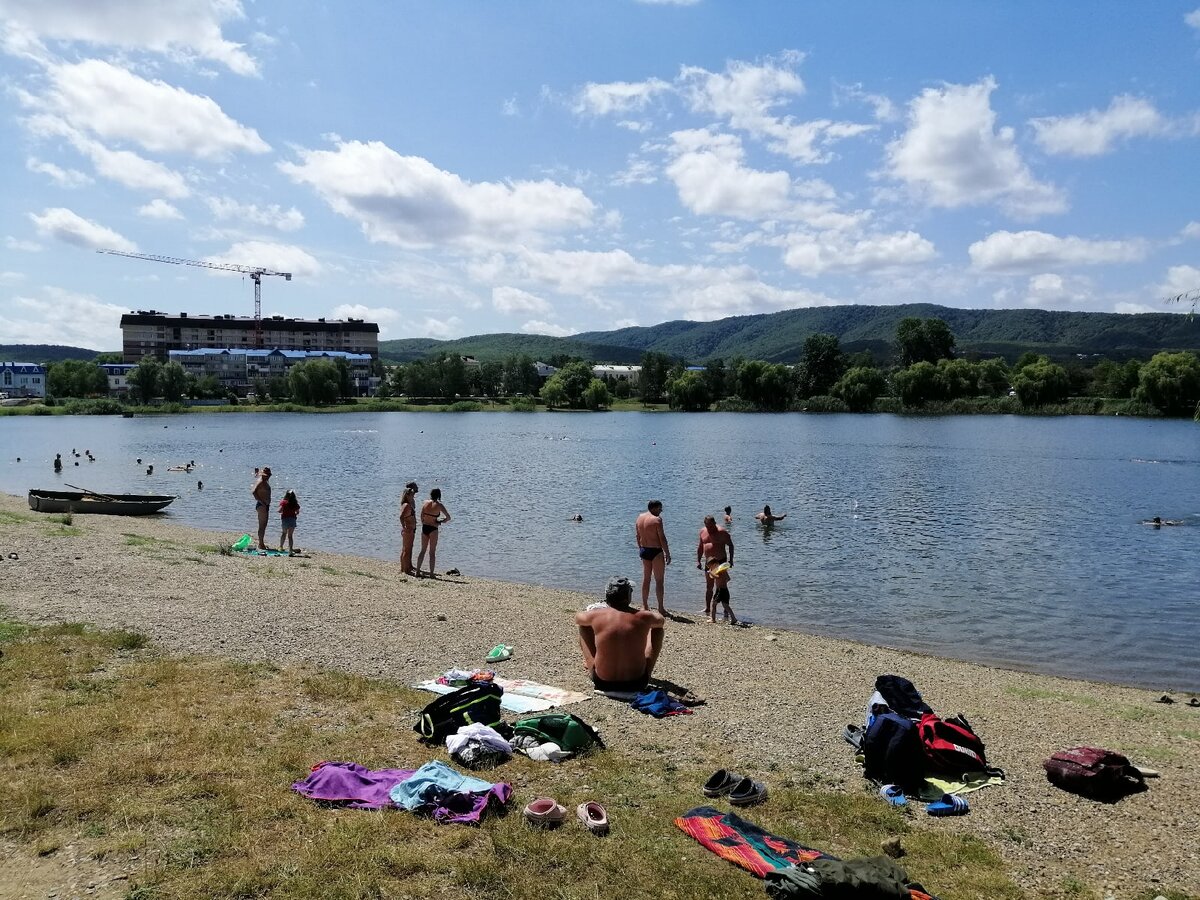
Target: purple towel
351, 785
462, 807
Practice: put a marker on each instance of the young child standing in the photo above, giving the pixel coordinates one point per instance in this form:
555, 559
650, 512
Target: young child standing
289, 509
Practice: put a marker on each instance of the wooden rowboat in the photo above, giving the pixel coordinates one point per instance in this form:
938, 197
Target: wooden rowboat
107, 504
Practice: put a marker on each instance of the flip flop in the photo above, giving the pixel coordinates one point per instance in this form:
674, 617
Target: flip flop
722, 782
893, 795
949, 805
747, 792
499, 653
593, 816
853, 735
545, 812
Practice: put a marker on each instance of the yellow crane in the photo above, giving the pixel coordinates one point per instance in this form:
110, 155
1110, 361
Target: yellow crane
255, 272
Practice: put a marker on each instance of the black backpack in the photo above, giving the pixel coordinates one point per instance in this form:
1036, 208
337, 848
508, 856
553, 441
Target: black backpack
901, 696
448, 713
893, 752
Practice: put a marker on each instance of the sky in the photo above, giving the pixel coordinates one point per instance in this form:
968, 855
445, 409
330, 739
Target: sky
457, 167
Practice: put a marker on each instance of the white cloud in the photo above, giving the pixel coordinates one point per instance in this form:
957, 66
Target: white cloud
13, 243
514, 300
619, 97
1191, 230
273, 216
536, 326
625, 323
1094, 132
639, 171
953, 155
1051, 291
268, 255
884, 109
442, 329
133, 171
709, 173
406, 200
370, 313
11, 277
1008, 251
159, 209
62, 317
64, 225
816, 254
746, 95
1193, 18
175, 27
113, 104
1180, 280
67, 178
739, 296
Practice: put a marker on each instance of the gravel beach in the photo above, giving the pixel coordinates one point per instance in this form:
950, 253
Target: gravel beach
776, 700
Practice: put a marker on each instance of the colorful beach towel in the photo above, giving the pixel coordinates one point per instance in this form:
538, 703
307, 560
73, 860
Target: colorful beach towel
746, 845
520, 695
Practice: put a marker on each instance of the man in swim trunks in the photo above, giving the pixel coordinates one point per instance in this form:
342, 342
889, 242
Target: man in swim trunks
710, 554
261, 492
653, 551
620, 643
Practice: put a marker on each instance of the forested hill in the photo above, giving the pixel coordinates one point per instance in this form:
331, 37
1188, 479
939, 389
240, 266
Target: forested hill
779, 337
43, 353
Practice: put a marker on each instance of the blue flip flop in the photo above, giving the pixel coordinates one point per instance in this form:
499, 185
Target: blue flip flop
949, 805
893, 795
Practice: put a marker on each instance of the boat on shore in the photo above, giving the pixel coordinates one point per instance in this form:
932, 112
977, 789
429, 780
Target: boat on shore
106, 504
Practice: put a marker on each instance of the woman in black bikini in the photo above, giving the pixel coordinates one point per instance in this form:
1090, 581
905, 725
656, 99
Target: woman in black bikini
433, 514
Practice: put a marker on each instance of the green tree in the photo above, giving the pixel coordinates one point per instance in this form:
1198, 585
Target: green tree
114, 357
822, 363
767, 385
314, 382
143, 379
75, 378
520, 375
575, 378
653, 381
715, 379
490, 378
1040, 383
923, 340
689, 392
1111, 379
553, 392
277, 388
918, 384
623, 389
595, 395
860, 386
959, 378
1028, 358
345, 378
991, 375
1171, 381
172, 381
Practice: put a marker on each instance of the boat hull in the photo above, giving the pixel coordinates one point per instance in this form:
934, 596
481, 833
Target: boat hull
114, 505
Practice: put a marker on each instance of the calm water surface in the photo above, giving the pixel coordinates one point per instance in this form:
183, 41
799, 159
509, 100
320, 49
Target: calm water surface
1000, 539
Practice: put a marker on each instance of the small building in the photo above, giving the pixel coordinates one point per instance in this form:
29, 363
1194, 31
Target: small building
544, 371
618, 373
22, 379
118, 376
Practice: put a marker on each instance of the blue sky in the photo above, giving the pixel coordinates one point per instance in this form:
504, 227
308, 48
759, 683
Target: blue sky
554, 166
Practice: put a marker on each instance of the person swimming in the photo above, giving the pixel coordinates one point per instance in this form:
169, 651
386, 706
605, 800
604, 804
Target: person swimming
1159, 521
769, 518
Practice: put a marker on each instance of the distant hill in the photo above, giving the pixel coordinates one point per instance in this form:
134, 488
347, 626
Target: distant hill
779, 337
43, 353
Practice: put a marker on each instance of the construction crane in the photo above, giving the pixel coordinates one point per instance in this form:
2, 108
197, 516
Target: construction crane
255, 272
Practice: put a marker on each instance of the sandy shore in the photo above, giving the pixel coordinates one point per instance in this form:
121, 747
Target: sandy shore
777, 700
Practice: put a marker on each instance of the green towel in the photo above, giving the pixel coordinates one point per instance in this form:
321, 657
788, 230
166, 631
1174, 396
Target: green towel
934, 788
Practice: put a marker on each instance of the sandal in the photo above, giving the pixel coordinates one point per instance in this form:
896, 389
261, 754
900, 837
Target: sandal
747, 792
893, 795
949, 805
722, 782
593, 816
545, 812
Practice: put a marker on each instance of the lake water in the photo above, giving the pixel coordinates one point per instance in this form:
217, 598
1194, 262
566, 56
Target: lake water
1003, 539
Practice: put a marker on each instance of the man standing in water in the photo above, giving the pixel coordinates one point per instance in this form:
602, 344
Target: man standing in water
654, 553
710, 555
408, 526
262, 503
620, 642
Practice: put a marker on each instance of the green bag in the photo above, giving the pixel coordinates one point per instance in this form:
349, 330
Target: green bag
570, 732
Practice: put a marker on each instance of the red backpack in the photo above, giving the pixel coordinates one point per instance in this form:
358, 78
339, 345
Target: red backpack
951, 746
1094, 772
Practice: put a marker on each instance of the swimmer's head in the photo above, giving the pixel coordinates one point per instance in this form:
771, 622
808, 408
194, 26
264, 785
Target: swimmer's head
728, 510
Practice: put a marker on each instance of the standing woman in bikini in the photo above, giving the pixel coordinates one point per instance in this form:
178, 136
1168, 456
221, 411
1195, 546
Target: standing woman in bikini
433, 515
408, 526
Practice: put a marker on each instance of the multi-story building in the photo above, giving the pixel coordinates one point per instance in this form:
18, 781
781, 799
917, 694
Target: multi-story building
237, 370
157, 333
22, 379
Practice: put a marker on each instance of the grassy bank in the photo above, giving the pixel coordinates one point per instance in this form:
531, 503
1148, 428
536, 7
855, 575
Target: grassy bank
171, 775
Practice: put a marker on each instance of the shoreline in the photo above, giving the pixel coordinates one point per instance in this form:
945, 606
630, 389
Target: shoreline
777, 699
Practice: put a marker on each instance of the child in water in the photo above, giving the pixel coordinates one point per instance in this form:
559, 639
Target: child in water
289, 509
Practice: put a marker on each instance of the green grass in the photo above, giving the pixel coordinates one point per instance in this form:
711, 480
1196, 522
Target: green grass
177, 771
63, 531
12, 518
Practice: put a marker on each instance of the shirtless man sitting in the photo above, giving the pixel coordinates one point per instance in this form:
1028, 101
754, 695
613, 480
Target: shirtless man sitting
620, 643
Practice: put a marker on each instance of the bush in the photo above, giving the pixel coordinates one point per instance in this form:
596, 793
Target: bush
464, 406
888, 405
821, 403
41, 411
523, 404
734, 404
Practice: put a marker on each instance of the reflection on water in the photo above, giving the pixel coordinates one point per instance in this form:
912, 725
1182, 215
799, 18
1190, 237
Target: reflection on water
1004, 539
